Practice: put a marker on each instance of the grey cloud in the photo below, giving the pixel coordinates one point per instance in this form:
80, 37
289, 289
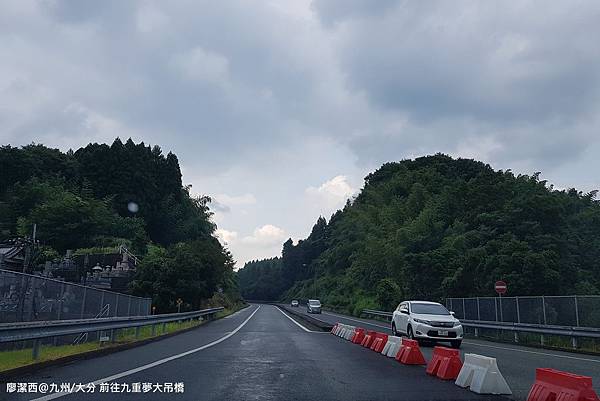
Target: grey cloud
440, 59
271, 98
333, 11
219, 207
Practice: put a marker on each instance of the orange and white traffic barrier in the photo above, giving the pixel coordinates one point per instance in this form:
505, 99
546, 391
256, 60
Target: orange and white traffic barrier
368, 339
392, 346
445, 363
551, 384
349, 333
379, 342
482, 376
410, 353
359, 334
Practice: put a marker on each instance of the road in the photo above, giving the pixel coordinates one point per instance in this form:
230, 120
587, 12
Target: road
258, 353
517, 363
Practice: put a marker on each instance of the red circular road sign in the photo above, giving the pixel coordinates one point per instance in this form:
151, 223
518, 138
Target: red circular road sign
500, 287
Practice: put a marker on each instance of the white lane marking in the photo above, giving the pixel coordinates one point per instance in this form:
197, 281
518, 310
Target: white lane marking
355, 320
153, 364
298, 324
533, 352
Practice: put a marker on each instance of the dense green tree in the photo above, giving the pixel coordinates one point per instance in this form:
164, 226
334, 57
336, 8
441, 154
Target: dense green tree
435, 227
83, 201
192, 271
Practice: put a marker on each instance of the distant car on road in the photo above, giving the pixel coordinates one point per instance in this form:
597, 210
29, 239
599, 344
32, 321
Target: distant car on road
295, 303
313, 306
422, 320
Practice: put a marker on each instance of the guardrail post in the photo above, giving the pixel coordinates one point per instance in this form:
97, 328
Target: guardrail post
153, 330
137, 332
113, 335
36, 349
164, 328
576, 311
574, 342
101, 302
478, 315
518, 312
476, 332
516, 337
542, 339
544, 309
496, 307
83, 302
464, 314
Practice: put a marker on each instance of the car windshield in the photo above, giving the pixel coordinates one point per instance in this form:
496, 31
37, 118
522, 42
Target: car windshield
314, 303
429, 309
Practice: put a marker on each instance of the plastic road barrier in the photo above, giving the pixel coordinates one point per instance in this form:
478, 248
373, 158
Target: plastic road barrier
410, 353
369, 337
482, 376
551, 384
379, 342
349, 333
359, 334
334, 328
445, 363
392, 346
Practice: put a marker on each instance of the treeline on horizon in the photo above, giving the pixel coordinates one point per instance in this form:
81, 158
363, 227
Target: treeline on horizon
102, 196
438, 227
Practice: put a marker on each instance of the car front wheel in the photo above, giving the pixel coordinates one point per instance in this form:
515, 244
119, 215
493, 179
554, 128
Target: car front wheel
394, 332
409, 333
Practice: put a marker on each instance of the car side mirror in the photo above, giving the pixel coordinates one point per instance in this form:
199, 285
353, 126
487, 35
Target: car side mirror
452, 313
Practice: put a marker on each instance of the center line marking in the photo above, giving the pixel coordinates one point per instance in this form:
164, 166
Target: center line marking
153, 364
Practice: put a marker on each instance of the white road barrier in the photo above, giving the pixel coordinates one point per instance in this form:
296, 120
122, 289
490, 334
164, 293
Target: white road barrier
482, 376
392, 346
349, 333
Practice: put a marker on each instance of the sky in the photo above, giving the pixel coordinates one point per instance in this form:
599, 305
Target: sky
279, 109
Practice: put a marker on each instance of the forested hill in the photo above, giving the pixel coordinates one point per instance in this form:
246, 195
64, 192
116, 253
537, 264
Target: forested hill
107, 195
436, 227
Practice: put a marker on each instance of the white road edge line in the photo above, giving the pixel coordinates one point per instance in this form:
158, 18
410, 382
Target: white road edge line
355, 320
532, 352
298, 324
153, 364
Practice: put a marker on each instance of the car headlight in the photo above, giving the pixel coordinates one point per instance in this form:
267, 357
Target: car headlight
423, 321
457, 324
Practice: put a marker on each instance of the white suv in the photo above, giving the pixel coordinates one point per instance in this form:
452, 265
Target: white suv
422, 320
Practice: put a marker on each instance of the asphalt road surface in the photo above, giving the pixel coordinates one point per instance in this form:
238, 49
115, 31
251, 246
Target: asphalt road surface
516, 363
258, 353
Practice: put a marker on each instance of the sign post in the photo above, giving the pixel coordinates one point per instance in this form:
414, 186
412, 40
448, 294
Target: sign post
501, 288
179, 302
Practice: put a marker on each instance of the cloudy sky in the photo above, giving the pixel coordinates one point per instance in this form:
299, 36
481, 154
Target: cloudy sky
278, 109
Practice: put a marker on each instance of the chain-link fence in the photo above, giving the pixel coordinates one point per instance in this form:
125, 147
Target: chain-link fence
573, 311
24, 297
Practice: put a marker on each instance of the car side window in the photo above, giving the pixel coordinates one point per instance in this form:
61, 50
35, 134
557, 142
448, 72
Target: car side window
403, 308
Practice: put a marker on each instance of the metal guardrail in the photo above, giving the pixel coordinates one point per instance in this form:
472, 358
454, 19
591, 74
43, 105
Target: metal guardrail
378, 313
552, 330
10, 332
